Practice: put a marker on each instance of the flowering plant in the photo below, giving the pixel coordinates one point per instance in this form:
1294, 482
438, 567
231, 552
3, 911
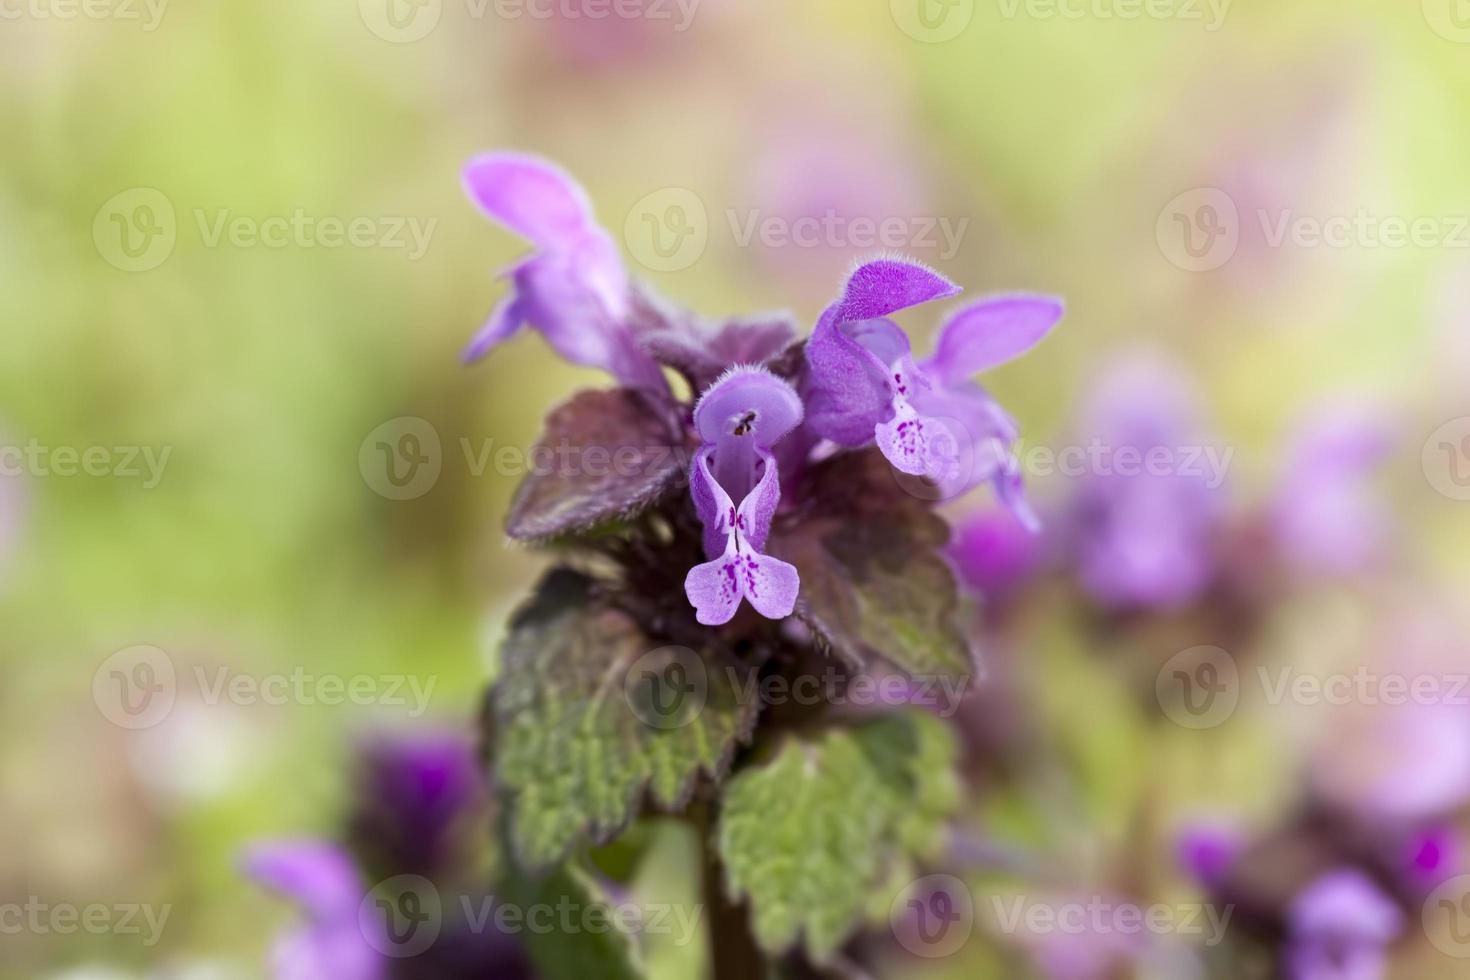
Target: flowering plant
776, 526
798, 480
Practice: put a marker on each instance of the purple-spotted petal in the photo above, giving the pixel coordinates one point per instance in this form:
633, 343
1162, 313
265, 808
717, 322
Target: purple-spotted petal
530, 196
770, 584
846, 386
711, 503
759, 506
989, 333
715, 588
719, 514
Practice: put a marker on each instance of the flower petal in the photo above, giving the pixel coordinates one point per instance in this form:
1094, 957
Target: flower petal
711, 503
532, 197
846, 386
750, 399
504, 321
319, 876
989, 333
882, 287
714, 590
770, 584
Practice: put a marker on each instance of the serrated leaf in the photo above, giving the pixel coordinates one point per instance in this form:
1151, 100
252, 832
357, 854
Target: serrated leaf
590, 712
604, 455
873, 579
810, 835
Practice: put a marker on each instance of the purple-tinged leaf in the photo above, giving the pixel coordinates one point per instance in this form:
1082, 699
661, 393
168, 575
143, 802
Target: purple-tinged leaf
605, 455
873, 577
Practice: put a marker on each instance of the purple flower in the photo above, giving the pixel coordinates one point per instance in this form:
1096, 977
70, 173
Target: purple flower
574, 288
995, 553
1326, 515
929, 419
1145, 515
1339, 928
738, 419
1208, 853
323, 880
416, 793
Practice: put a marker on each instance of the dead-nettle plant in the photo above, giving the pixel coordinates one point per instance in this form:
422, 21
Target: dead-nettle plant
786, 525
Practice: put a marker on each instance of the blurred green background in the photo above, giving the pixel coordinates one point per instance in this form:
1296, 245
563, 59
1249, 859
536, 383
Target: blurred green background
261, 369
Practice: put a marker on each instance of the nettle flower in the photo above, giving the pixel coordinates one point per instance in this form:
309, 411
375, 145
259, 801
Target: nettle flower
1327, 514
1341, 926
739, 419
323, 879
574, 288
1144, 518
928, 418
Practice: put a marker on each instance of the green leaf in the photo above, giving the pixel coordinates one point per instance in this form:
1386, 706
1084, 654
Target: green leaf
812, 834
590, 712
873, 578
604, 455
562, 955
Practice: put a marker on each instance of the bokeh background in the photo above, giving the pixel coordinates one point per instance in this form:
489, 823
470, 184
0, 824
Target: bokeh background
1066, 150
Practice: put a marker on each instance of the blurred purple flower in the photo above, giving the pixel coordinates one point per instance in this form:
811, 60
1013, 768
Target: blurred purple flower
574, 288
1207, 853
995, 553
413, 795
862, 383
1339, 928
1326, 515
322, 879
739, 418
1142, 535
